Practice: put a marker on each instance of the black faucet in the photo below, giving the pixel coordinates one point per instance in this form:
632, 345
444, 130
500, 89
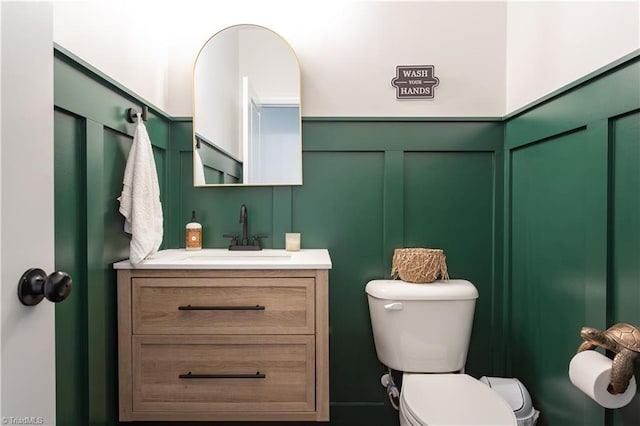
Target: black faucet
244, 241
243, 221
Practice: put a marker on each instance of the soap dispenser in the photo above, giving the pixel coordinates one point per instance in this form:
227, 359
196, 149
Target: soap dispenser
193, 233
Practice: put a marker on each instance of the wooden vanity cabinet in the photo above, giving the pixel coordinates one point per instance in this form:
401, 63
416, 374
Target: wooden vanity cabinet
223, 345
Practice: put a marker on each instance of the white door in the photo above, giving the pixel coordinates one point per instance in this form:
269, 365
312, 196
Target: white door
250, 134
27, 352
255, 143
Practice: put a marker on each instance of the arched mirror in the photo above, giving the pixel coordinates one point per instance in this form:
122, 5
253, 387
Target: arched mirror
246, 110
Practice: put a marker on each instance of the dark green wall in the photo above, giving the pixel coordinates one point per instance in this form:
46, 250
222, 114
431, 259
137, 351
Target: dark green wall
573, 235
369, 186
91, 143
541, 211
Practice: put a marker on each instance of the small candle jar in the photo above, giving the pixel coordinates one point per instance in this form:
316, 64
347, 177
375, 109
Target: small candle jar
292, 241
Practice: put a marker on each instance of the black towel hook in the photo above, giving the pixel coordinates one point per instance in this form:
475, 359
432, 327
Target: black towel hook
132, 114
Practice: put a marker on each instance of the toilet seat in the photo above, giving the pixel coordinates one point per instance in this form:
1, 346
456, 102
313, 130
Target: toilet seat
452, 399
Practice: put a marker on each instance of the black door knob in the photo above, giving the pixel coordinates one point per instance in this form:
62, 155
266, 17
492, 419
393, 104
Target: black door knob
35, 285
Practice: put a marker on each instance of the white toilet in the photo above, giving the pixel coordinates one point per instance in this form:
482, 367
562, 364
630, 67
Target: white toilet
423, 330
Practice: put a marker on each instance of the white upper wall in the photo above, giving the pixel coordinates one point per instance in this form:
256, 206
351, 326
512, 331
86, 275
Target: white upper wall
218, 104
491, 57
127, 40
553, 43
348, 50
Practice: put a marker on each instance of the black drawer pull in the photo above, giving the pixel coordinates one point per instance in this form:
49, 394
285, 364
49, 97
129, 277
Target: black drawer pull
221, 308
190, 375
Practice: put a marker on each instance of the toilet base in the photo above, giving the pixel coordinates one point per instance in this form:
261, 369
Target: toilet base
406, 419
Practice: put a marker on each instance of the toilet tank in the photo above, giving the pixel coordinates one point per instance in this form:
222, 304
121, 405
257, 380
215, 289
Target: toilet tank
422, 328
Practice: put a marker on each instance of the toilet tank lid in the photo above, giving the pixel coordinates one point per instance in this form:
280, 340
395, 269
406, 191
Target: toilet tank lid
438, 290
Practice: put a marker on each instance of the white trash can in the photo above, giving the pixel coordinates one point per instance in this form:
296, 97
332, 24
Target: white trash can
514, 392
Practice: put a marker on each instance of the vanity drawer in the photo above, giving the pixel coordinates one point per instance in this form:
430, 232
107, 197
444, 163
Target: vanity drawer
272, 305
195, 374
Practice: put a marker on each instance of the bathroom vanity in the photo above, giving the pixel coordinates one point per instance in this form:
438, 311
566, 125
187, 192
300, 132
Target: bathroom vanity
222, 335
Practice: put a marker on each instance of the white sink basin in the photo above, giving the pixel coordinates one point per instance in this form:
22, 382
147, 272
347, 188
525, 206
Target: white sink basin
237, 256
226, 259
227, 255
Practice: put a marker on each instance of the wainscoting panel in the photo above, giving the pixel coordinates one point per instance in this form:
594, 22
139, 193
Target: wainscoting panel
572, 235
540, 211
553, 265
371, 186
91, 144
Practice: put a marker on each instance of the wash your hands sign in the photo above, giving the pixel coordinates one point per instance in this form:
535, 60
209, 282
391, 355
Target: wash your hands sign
415, 81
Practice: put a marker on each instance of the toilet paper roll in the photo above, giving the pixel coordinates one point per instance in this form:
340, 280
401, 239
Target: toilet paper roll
590, 372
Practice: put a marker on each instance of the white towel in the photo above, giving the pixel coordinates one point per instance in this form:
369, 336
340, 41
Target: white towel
198, 169
140, 198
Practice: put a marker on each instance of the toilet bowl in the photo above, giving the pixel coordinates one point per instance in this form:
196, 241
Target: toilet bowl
451, 399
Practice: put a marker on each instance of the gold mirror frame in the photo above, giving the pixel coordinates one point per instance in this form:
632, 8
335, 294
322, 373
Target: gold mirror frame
225, 129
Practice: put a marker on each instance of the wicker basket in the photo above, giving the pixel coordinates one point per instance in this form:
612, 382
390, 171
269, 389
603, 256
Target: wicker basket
419, 265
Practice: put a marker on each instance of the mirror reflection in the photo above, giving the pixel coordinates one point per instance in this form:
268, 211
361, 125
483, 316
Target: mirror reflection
246, 118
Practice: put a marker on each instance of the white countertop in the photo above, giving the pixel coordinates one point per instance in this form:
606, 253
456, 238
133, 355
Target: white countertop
225, 259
